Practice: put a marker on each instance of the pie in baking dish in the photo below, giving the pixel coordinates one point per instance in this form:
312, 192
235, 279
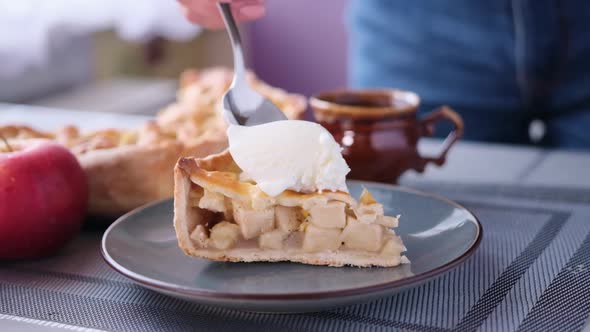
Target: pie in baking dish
128, 168
221, 213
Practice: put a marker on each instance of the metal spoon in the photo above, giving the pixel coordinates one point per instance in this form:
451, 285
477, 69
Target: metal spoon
241, 104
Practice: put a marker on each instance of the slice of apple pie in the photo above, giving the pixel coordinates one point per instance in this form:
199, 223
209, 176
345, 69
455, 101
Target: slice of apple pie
222, 213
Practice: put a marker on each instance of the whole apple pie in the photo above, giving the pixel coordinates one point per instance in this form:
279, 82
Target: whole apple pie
226, 213
128, 168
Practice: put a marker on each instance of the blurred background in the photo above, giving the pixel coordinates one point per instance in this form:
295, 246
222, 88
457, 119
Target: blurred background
126, 55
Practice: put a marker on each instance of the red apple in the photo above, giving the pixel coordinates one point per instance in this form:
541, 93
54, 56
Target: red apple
43, 199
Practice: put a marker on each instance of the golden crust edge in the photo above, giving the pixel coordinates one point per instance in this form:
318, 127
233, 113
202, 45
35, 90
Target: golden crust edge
182, 186
123, 178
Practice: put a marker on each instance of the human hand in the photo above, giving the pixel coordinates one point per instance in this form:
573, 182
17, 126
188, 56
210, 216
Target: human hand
206, 14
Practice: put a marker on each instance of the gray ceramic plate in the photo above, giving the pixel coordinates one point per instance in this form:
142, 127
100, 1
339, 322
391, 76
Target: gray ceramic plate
438, 233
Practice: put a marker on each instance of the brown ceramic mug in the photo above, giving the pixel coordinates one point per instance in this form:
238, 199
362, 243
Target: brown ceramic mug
379, 130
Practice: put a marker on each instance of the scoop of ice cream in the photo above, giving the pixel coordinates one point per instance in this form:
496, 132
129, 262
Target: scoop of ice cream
291, 154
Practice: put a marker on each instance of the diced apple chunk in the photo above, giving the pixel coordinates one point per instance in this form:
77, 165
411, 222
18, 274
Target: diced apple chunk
367, 218
361, 236
287, 219
330, 215
224, 235
393, 246
388, 221
253, 222
212, 201
321, 239
369, 212
199, 235
271, 240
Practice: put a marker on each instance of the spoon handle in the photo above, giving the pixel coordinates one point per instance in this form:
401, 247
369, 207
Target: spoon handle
236, 42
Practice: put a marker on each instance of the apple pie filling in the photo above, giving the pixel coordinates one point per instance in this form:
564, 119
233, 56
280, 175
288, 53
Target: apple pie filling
311, 223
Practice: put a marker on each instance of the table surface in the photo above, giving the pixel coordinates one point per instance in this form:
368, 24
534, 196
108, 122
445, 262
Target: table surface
468, 164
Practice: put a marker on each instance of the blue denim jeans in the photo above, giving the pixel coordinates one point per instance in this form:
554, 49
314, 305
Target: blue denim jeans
500, 63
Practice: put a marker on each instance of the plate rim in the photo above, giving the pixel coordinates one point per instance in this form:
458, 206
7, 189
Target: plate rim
169, 288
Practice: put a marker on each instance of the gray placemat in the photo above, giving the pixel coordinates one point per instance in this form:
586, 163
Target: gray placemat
531, 273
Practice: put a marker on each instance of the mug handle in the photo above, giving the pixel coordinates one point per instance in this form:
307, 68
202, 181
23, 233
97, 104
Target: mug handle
427, 126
